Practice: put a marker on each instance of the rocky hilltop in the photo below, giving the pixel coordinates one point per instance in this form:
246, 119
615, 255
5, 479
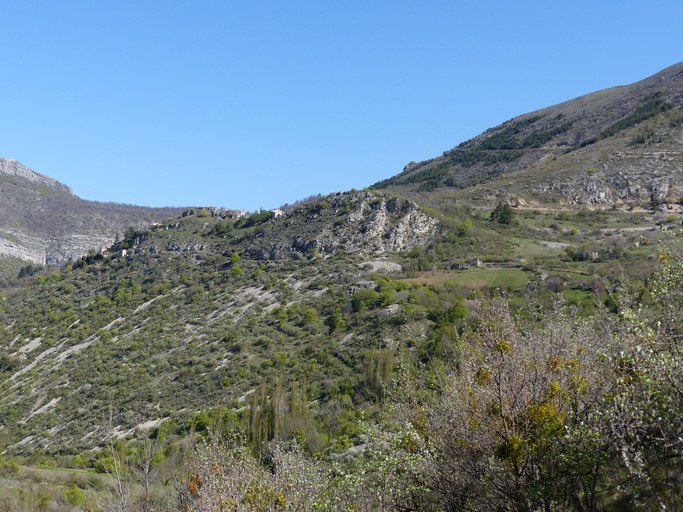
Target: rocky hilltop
620, 145
43, 221
360, 222
352, 223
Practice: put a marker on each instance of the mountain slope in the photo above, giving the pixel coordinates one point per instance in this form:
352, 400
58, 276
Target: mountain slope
623, 144
43, 221
200, 311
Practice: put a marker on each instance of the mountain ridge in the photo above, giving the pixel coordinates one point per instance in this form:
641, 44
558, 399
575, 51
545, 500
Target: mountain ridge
621, 145
600, 134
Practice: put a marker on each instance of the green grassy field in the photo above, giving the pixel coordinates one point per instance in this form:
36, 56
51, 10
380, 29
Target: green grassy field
476, 279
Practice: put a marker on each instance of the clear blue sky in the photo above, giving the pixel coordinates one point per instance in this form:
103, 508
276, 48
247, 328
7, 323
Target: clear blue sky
254, 104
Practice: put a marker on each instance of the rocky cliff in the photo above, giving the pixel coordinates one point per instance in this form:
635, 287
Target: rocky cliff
43, 221
12, 168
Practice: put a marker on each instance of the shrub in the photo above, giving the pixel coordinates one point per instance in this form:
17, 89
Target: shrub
74, 496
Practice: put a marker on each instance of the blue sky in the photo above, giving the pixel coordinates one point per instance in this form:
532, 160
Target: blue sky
255, 104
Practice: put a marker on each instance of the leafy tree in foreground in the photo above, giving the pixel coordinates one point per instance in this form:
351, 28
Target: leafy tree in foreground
518, 425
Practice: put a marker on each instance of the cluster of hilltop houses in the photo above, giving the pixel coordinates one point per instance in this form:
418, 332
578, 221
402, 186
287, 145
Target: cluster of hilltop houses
225, 213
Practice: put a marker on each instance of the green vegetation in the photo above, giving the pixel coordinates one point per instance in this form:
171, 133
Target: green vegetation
352, 354
507, 138
480, 278
555, 412
652, 106
231, 356
254, 219
10, 267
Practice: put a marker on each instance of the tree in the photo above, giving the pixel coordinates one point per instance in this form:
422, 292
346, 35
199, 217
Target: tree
645, 410
518, 425
226, 476
115, 462
502, 213
126, 463
387, 472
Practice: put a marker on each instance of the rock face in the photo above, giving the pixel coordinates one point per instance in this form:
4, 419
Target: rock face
357, 222
378, 225
643, 177
43, 221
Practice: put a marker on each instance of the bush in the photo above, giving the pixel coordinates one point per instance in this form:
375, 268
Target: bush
8, 466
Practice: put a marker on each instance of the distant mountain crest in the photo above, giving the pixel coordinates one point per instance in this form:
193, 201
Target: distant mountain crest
17, 169
43, 221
